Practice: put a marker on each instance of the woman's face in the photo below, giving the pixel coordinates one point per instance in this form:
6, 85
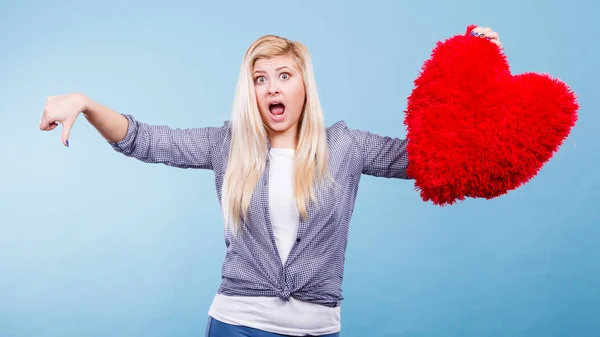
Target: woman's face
280, 94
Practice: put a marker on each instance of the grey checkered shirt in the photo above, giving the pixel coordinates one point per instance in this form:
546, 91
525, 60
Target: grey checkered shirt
314, 269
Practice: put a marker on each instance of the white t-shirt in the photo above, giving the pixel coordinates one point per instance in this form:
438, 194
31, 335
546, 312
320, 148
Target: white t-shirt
273, 314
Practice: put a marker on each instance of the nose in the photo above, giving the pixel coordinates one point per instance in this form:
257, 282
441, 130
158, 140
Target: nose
273, 89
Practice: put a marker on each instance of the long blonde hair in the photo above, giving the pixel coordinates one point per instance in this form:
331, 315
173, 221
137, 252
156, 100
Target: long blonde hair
249, 140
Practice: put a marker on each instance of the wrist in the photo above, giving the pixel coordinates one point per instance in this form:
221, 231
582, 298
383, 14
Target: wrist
87, 105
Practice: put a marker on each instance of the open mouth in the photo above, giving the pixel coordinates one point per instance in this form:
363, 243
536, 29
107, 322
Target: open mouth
277, 109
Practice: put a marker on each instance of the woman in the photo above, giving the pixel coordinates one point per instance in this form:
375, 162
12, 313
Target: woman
286, 184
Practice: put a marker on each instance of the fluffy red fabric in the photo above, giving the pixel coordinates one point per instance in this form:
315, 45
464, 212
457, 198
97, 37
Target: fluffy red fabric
474, 129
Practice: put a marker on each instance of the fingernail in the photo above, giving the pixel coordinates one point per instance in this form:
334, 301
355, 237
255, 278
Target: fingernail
481, 35
67, 142
488, 38
473, 33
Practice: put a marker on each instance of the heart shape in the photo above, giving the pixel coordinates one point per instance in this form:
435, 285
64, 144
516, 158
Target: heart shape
476, 130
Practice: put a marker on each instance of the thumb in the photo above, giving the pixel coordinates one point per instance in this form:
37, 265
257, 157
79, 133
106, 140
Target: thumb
66, 130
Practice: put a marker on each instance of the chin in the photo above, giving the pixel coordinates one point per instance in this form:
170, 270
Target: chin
279, 127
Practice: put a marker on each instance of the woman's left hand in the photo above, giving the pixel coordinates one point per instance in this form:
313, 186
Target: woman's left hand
487, 33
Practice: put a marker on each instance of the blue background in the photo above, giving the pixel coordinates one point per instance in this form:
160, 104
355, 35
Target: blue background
96, 244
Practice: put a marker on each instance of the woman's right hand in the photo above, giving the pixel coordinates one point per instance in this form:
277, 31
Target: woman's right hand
63, 109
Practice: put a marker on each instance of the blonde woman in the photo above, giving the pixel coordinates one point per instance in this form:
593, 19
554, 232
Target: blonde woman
286, 184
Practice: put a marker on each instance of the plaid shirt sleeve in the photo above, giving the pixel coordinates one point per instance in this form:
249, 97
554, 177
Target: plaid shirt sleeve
382, 156
182, 148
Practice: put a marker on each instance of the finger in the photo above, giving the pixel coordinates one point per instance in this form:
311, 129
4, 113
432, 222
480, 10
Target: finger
46, 124
66, 130
492, 35
52, 126
477, 33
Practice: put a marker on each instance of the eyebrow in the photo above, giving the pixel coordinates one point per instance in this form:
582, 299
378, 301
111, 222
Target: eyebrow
278, 69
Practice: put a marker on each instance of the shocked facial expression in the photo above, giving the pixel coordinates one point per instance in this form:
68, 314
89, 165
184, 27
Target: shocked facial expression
280, 94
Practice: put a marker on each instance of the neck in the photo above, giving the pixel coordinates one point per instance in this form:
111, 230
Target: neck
288, 139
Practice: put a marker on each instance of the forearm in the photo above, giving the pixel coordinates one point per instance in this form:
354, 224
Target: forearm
177, 147
109, 123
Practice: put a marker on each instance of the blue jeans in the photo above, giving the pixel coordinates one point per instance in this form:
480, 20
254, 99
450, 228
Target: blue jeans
216, 328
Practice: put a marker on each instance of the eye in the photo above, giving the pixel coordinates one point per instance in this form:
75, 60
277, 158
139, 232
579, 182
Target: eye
260, 79
285, 76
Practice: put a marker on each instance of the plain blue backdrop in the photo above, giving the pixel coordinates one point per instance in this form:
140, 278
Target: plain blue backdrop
95, 244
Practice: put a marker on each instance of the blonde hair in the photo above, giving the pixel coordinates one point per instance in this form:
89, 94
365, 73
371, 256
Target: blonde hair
249, 140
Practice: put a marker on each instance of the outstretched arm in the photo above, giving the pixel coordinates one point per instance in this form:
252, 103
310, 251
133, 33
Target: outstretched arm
65, 109
385, 156
183, 148
109, 123
380, 156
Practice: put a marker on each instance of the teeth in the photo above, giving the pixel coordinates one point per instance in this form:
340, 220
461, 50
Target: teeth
272, 106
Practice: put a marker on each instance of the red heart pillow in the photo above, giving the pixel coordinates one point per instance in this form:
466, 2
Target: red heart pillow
474, 129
